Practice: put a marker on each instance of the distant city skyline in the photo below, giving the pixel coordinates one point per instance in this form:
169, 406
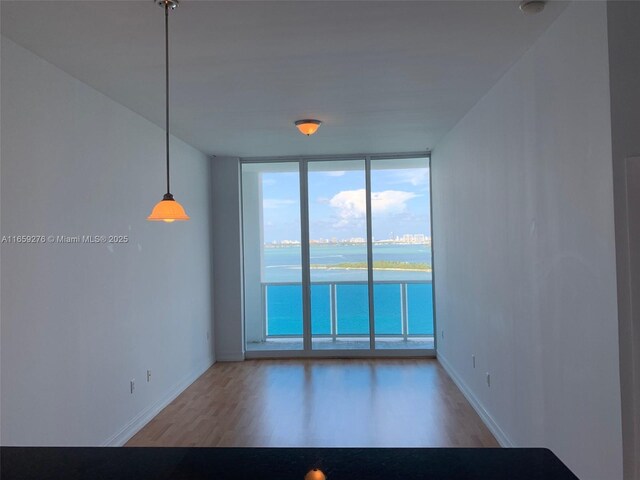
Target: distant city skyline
410, 238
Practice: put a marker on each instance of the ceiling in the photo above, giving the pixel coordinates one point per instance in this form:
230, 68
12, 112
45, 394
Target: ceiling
383, 76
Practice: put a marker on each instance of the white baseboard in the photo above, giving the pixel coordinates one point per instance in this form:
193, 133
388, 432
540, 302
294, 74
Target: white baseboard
229, 356
136, 423
488, 420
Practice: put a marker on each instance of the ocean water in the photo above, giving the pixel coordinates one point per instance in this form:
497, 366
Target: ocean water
284, 292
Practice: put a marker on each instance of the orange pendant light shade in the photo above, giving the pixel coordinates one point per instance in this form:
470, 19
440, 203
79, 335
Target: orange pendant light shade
315, 474
168, 210
308, 127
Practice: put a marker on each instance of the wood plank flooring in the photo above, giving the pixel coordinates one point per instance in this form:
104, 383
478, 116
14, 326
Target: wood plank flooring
319, 403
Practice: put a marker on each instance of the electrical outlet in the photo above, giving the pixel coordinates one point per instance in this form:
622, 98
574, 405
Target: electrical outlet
442, 334
473, 360
488, 380
148, 376
133, 384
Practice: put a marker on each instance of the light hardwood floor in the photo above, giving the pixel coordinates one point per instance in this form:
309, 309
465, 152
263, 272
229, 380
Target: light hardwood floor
319, 403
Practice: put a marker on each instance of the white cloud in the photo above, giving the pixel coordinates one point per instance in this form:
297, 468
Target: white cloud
351, 204
336, 173
277, 202
390, 201
414, 176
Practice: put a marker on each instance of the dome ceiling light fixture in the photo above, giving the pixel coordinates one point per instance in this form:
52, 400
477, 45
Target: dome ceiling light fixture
167, 209
308, 126
531, 7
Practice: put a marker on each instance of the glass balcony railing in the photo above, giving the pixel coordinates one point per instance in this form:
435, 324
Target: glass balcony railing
341, 309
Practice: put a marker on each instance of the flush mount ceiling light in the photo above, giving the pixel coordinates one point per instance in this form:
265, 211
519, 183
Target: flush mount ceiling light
308, 126
531, 7
167, 209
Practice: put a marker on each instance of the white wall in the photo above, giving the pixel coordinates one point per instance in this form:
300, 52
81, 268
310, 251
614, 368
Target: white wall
252, 249
80, 320
226, 247
525, 254
624, 67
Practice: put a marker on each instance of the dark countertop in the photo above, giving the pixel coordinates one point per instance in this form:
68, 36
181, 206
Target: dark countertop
93, 463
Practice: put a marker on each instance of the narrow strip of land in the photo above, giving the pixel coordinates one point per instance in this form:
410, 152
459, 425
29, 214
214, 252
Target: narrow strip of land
377, 265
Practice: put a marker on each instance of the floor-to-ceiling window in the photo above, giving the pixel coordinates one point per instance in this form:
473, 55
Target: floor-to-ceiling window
272, 256
337, 255
401, 252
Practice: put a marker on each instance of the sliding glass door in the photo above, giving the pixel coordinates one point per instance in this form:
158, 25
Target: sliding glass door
337, 256
272, 256
402, 266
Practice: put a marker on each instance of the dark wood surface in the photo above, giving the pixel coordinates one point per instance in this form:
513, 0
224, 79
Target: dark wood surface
71, 463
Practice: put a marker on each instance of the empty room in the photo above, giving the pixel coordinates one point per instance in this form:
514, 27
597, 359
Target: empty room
320, 239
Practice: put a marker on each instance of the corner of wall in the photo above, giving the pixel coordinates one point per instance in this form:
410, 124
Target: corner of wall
476, 403
138, 422
227, 258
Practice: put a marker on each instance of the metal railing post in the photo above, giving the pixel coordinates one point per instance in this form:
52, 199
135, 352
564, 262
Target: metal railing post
265, 314
334, 310
404, 315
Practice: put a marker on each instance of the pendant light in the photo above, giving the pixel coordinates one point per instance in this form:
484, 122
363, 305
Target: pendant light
167, 210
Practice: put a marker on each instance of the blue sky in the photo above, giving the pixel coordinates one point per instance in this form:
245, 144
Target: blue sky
400, 204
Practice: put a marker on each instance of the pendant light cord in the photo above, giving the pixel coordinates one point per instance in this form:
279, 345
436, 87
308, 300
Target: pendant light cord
166, 57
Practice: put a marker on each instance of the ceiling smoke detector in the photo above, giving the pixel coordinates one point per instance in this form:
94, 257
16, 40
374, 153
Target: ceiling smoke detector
531, 7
